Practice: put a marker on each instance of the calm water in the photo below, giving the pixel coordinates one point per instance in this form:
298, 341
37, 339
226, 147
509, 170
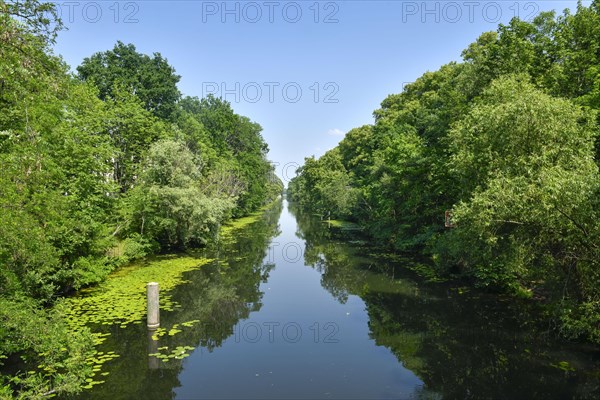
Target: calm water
296, 309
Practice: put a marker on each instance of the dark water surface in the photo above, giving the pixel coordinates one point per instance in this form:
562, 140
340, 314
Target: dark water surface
293, 308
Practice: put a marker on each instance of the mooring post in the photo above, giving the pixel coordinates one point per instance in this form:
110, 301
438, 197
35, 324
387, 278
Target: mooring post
153, 310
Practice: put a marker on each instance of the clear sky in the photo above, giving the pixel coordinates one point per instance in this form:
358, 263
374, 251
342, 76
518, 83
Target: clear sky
307, 71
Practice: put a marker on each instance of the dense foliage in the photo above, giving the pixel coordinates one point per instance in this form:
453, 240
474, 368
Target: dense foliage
98, 169
507, 141
463, 344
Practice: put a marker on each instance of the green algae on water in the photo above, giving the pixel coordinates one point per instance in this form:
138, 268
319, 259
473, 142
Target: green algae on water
343, 225
121, 299
227, 230
178, 353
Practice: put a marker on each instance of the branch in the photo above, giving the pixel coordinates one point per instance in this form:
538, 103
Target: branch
579, 226
508, 221
118, 229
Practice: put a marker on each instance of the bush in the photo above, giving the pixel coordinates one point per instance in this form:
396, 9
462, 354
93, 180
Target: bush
53, 359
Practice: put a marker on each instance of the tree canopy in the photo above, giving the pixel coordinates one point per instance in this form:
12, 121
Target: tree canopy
506, 142
151, 79
97, 170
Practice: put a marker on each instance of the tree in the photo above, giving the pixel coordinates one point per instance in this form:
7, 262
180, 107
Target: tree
240, 150
168, 206
151, 79
131, 130
524, 161
95, 172
507, 140
324, 186
27, 66
356, 149
39, 19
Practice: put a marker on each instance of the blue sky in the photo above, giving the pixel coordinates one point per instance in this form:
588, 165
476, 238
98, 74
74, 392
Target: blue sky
307, 71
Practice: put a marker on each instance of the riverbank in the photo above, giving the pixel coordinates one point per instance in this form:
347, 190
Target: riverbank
65, 358
200, 307
294, 308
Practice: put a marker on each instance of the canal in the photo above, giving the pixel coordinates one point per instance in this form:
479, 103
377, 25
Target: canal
292, 307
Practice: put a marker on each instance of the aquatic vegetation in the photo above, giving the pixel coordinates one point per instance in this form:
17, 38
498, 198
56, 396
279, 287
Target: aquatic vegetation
178, 353
190, 323
343, 225
96, 361
563, 365
121, 300
216, 294
160, 332
229, 228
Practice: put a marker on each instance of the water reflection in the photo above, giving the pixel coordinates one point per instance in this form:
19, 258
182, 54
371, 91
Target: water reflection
368, 328
461, 344
217, 296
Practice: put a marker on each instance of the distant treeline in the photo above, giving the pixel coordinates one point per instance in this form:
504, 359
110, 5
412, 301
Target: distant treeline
506, 143
99, 167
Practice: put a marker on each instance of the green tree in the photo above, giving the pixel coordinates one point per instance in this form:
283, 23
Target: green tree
168, 206
506, 140
324, 186
524, 161
240, 150
151, 79
131, 130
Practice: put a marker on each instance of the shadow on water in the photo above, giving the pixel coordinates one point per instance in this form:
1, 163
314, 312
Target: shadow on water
462, 344
402, 337
214, 298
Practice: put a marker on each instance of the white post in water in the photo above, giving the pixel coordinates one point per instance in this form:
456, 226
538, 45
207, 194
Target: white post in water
153, 311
